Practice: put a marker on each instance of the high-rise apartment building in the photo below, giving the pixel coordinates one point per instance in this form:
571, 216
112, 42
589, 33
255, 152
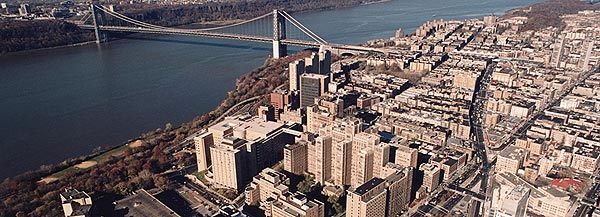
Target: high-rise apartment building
324, 62
381, 156
368, 199
317, 118
342, 163
203, 142
312, 86
321, 158
362, 157
406, 156
311, 63
295, 157
295, 69
382, 197
431, 176
228, 163
363, 167
399, 185
343, 129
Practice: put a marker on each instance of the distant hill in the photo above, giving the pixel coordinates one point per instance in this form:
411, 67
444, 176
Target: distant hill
544, 14
176, 15
29, 35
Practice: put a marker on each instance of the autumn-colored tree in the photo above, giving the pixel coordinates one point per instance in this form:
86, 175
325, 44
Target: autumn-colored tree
162, 182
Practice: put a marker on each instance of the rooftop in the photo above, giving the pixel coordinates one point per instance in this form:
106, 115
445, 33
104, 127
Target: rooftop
143, 204
565, 183
366, 187
71, 194
513, 153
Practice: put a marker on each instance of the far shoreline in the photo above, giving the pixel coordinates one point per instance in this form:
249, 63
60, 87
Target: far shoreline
47, 48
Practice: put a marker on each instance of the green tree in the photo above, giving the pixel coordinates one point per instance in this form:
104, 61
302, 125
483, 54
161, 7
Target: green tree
332, 199
306, 185
336, 207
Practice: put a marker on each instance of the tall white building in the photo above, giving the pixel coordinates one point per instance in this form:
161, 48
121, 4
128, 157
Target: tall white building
295, 70
324, 62
510, 201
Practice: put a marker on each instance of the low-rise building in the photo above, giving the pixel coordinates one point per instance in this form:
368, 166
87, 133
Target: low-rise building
510, 159
75, 203
431, 176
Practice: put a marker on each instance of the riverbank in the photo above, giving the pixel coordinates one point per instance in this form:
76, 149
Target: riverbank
118, 170
376, 2
49, 48
20, 35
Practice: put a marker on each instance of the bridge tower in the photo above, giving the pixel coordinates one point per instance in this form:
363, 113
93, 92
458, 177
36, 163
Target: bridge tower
98, 18
279, 49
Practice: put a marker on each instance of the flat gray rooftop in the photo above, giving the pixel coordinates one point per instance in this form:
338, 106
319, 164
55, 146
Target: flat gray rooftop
143, 204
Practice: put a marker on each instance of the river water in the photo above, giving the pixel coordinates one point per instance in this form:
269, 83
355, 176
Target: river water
61, 103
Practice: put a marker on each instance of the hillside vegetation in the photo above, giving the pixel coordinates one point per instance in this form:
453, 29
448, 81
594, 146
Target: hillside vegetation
28, 35
548, 13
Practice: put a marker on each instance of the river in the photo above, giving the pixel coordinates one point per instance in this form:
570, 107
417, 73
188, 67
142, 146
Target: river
62, 103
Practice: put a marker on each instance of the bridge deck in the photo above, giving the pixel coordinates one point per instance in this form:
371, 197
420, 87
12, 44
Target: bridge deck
293, 42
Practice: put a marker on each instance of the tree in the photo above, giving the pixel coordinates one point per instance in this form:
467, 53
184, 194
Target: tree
336, 207
123, 188
332, 199
306, 185
162, 182
339, 208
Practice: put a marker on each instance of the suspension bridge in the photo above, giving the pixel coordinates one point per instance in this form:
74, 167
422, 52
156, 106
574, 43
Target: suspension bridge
268, 28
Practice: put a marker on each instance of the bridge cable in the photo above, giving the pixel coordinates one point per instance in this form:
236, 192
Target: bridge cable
302, 27
85, 18
147, 25
313, 37
232, 25
130, 20
125, 18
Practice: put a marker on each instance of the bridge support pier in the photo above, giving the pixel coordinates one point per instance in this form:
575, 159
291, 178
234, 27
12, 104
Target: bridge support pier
279, 49
98, 19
